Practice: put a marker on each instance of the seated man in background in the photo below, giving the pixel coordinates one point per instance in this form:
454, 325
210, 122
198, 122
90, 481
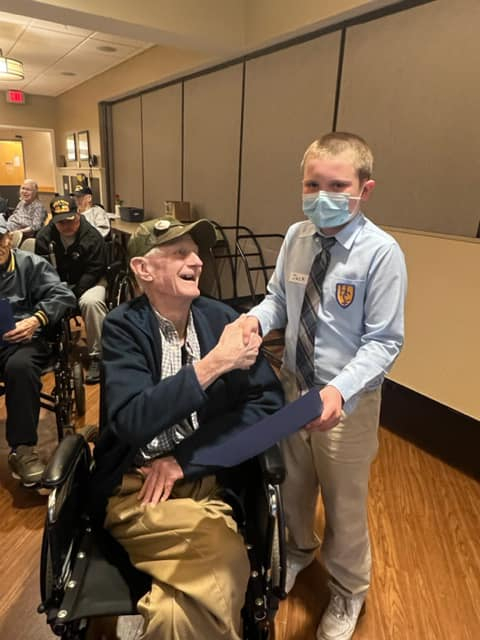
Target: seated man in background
29, 214
38, 300
94, 213
177, 376
78, 252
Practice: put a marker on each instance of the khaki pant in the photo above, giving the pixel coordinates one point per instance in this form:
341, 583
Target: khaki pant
336, 462
93, 309
197, 560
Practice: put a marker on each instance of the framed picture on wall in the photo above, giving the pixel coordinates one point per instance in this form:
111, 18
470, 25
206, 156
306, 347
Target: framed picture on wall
83, 146
71, 147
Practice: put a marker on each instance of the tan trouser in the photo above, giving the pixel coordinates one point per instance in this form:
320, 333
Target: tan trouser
338, 463
197, 560
93, 309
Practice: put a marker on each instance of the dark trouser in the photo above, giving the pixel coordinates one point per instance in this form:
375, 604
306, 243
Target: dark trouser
21, 368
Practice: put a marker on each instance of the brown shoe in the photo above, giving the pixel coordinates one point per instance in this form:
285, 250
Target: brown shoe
25, 465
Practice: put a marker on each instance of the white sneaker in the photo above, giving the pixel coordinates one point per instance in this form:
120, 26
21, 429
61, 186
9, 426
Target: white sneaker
341, 616
294, 566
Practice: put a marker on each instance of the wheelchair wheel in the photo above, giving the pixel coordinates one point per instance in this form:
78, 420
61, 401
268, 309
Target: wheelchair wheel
125, 291
46, 571
275, 563
79, 389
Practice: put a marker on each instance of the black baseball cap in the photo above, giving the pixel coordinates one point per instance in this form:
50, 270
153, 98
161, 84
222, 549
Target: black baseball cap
81, 190
63, 209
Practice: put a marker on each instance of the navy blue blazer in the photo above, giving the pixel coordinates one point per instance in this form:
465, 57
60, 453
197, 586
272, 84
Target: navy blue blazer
138, 404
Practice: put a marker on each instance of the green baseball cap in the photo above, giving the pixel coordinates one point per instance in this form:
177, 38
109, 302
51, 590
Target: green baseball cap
154, 233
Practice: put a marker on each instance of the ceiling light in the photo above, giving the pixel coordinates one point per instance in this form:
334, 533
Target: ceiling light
10, 69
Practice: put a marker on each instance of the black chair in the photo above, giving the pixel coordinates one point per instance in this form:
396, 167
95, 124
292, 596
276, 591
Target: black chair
3, 204
67, 397
237, 272
85, 573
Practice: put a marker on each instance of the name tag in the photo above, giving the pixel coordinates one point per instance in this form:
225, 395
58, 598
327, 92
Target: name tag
298, 278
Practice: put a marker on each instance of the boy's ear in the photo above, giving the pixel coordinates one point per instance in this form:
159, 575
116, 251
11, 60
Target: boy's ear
367, 189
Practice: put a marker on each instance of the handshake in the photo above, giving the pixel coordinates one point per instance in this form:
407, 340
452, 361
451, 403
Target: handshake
237, 348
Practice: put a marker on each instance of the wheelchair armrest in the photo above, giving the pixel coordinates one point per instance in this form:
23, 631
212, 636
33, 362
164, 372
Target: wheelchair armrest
65, 457
272, 465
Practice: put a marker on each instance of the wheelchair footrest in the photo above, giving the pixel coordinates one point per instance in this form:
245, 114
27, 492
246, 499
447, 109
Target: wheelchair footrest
103, 582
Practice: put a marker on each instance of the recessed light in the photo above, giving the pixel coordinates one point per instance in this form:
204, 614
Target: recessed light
105, 48
68, 73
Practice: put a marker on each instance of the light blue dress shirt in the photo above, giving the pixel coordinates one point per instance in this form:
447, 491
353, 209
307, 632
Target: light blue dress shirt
361, 323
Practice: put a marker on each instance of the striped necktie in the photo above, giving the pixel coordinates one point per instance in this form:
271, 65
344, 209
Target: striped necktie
309, 316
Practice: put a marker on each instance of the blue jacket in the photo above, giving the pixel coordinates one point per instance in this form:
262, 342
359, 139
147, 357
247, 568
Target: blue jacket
33, 287
138, 404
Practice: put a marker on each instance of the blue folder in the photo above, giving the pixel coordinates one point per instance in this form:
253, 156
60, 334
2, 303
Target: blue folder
253, 439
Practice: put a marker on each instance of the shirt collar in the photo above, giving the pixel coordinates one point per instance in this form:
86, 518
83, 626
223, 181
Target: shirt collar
345, 237
11, 263
168, 328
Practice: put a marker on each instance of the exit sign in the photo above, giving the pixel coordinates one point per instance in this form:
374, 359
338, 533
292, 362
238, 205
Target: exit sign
15, 96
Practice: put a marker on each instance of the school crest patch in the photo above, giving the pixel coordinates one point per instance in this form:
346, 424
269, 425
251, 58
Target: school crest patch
345, 293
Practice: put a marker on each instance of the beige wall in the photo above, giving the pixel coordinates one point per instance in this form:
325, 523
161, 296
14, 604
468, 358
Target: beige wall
37, 154
276, 19
442, 348
39, 111
39, 159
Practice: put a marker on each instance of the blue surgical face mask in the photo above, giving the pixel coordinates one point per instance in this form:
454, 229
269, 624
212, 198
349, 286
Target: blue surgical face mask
326, 209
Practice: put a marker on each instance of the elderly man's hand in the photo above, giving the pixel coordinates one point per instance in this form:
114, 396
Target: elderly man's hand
24, 330
230, 353
234, 350
160, 477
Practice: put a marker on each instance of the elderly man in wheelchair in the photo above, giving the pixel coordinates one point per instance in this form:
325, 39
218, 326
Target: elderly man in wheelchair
177, 377
32, 299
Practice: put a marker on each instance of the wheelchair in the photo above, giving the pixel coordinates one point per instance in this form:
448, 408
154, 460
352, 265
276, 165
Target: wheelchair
120, 284
84, 572
67, 397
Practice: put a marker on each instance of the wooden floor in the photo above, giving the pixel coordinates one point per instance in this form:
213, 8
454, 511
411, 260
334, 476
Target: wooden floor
425, 526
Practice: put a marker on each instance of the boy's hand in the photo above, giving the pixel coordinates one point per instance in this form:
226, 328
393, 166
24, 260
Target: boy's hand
332, 410
250, 325
232, 352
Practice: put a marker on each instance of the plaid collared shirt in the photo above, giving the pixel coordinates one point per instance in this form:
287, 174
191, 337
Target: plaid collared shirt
171, 364
27, 215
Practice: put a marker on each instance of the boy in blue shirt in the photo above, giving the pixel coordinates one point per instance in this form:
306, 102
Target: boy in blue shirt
338, 290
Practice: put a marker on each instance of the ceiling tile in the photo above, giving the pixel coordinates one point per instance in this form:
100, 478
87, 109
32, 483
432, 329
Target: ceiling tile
90, 47
47, 49
62, 28
38, 45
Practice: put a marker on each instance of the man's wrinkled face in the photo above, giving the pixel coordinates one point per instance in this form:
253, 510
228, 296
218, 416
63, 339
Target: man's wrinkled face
5, 244
27, 193
68, 228
175, 268
83, 201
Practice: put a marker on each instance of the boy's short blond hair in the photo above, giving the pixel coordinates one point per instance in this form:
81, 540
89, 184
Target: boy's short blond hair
337, 142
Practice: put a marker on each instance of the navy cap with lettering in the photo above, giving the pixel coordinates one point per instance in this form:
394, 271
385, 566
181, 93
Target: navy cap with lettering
63, 208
